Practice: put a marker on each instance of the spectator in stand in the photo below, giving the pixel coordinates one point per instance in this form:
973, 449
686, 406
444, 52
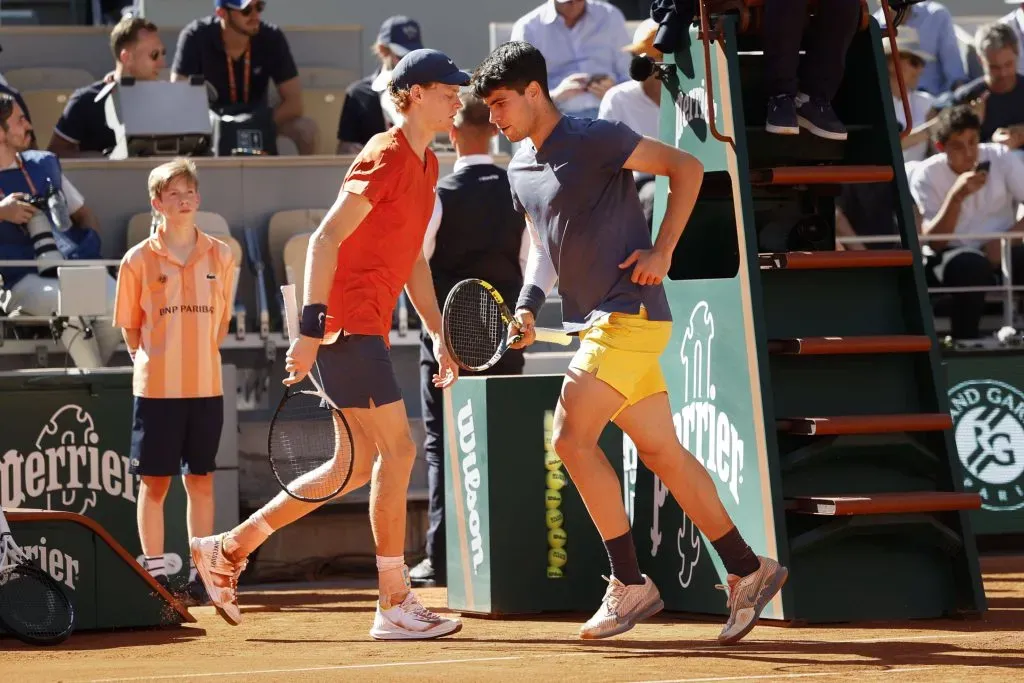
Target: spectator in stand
1015, 20
968, 188
913, 59
581, 41
238, 53
82, 129
636, 104
368, 109
25, 172
934, 26
1002, 86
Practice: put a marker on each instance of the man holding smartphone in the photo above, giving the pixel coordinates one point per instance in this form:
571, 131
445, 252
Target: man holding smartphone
581, 41
969, 188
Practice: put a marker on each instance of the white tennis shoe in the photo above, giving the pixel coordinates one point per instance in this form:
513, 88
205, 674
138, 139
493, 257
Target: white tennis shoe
411, 621
219, 576
622, 607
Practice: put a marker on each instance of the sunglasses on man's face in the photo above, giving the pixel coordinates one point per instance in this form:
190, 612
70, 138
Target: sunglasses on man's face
913, 60
257, 7
157, 54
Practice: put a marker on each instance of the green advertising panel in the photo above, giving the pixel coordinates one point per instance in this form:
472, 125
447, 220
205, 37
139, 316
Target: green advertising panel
65, 446
986, 400
106, 591
519, 538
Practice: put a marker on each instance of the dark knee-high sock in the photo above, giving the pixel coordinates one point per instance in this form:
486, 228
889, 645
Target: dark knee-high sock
622, 556
736, 555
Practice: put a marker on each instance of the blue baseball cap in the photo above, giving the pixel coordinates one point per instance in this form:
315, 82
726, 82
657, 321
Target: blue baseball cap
424, 66
232, 4
401, 35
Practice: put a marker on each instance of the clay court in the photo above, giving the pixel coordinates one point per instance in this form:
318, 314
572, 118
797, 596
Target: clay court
308, 633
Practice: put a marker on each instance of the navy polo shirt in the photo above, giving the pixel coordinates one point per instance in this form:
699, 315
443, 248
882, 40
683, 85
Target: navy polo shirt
201, 51
84, 120
585, 207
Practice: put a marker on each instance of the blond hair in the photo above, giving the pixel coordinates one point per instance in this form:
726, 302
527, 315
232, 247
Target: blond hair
164, 174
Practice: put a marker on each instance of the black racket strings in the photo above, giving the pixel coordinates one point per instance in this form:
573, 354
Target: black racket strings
311, 447
476, 328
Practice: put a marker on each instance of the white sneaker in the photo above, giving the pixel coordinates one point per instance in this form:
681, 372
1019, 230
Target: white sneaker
623, 606
748, 596
411, 621
219, 576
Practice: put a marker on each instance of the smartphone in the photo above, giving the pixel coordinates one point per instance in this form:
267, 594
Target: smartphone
982, 167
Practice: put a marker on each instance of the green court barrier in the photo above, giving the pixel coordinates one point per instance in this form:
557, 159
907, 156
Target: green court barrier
65, 446
986, 396
518, 536
104, 583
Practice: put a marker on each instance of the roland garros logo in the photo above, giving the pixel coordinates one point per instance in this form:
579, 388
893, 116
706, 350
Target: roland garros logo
988, 418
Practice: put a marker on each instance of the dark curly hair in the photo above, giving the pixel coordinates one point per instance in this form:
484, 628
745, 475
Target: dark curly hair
955, 120
513, 65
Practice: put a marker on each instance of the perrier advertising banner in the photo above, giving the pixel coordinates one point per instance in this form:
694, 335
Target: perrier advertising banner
65, 446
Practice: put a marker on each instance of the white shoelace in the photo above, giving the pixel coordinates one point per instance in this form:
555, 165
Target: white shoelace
412, 605
613, 596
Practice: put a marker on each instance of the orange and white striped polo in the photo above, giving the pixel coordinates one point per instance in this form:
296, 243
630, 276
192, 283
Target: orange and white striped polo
182, 311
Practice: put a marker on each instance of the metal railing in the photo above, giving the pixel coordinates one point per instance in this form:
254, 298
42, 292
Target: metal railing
1006, 287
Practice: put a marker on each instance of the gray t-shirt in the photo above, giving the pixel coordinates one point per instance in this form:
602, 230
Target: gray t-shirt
585, 208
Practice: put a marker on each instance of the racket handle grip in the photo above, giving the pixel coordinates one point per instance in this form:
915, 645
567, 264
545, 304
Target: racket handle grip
553, 336
291, 311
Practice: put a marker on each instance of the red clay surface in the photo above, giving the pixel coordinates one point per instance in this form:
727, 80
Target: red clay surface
321, 635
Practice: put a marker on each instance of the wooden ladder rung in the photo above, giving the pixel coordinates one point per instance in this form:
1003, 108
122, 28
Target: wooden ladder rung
824, 260
823, 346
821, 175
885, 503
865, 424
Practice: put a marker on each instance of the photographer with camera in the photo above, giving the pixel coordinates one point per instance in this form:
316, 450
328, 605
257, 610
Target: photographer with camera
32, 206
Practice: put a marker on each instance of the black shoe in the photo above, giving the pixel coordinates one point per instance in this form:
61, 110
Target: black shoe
816, 115
424, 575
781, 117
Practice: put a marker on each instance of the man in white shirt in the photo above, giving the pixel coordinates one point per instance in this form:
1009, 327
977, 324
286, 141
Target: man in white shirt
581, 41
969, 188
636, 104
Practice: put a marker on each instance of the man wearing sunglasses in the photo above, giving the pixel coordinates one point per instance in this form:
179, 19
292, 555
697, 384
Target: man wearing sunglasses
82, 129
238, 53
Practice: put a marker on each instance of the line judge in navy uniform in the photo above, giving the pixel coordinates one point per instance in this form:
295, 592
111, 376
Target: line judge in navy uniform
474, 232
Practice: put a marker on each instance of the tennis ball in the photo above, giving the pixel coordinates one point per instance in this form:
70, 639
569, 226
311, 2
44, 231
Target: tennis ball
554, 518
554, 573
549, 421
557, 537
552, 461
557, 557
555, 479
552, 499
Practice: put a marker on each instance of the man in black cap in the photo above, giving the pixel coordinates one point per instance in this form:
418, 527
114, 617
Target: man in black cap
367, 109
369, 246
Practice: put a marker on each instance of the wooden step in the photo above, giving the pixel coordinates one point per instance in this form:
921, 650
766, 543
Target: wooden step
825, 346
821, 175
865, 424
884, 503
825, 260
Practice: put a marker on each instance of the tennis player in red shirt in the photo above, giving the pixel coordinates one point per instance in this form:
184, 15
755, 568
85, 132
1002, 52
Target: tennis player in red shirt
367, 249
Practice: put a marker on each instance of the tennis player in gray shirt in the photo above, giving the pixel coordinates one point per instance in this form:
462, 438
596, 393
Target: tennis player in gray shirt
572, 179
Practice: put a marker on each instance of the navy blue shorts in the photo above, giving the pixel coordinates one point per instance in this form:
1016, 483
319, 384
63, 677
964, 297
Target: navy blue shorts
172, 436
356, 372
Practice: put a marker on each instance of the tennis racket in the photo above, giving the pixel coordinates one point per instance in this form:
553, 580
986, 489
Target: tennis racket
33, 608
475, 323
310, 443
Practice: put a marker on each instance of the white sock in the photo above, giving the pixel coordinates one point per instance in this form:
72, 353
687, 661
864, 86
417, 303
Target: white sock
386, 566
155, 565
259, 522
191, 569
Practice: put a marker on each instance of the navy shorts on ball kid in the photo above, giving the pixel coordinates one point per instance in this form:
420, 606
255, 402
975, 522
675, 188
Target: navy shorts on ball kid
356, 372
172, 436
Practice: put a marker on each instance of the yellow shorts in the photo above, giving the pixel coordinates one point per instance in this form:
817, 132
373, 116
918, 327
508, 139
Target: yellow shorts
623, 350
